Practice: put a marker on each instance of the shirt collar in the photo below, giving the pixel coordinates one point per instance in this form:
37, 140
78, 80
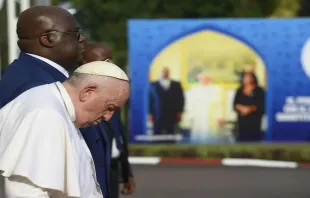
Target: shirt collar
165, 82
51, 63
164, 79
67, 101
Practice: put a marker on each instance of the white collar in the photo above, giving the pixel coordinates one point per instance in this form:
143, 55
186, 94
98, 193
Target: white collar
67, 101
165, 79
51, 63
165, 83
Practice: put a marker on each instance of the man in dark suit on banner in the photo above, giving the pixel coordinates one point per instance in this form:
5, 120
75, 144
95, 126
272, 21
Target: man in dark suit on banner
166, 103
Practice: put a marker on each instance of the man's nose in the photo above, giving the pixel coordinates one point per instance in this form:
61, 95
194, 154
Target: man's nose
82, 38
108, 116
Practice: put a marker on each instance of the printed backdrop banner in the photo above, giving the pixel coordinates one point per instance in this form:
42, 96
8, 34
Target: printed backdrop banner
191, 80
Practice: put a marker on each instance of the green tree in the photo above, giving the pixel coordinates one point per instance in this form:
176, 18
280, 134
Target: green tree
106, 20
287, 9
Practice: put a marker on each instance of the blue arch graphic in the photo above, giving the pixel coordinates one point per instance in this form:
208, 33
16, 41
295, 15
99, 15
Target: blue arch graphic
218, 30
276, 41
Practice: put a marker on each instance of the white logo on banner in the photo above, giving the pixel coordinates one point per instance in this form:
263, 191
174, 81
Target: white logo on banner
295, 109
305, 57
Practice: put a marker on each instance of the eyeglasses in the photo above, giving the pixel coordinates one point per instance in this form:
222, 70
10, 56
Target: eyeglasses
78, 33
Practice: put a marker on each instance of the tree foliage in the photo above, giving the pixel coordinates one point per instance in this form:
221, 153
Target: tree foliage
106, 20
287, 8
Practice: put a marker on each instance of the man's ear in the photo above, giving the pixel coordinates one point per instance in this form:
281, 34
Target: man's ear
49, 39
87, 92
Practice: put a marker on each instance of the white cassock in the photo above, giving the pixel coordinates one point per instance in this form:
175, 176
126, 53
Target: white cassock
203, 110
42, 153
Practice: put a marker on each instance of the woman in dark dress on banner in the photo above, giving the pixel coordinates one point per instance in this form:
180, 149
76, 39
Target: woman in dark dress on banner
249, 104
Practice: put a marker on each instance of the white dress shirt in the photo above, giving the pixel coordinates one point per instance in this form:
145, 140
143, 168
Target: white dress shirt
115, 151
51, 63
165, 83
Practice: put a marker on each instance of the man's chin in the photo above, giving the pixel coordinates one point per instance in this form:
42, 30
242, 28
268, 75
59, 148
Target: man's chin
83, 126
89, 124
96, 122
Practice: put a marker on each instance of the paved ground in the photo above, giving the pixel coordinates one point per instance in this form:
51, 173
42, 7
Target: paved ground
191, 181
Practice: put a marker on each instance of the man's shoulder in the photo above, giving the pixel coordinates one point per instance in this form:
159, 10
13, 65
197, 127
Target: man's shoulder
22, 111
44, 117
20, 76
44, 91
153, 85
175, 82
22, 71
43, 96
46, 113
18, 66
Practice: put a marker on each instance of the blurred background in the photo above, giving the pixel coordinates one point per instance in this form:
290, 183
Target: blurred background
216, 87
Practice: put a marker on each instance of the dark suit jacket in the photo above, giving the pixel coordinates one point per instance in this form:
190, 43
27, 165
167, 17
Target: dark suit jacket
27, 72
116, 127
165, 104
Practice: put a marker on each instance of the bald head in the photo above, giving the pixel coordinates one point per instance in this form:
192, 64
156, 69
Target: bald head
96, 52
43, 18
97, 90
165, 73
50, 32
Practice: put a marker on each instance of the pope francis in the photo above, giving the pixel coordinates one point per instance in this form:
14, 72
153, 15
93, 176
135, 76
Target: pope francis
42, 152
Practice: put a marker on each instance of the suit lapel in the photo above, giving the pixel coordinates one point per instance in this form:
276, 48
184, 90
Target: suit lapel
102, 133
108, 130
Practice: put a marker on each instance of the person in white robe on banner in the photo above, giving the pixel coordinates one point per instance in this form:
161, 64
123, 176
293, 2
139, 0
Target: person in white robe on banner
204, 110
42, 152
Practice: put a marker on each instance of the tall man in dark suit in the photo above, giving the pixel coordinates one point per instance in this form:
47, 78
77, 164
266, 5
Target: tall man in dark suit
119, 155
166, 103
51, 43
50, 46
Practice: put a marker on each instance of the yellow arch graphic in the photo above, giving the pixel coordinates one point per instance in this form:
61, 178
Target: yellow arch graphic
217, 55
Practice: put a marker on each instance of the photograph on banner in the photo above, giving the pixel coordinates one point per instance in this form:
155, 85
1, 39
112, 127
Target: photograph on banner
207, 87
